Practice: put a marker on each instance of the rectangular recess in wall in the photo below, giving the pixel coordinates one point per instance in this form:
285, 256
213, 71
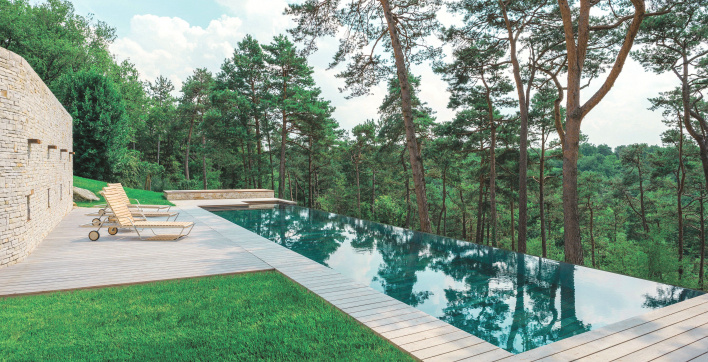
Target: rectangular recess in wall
61, 191
29, 215
49, 198
52, 147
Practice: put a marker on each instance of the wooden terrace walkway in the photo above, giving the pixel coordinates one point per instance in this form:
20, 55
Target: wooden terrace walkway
67, 260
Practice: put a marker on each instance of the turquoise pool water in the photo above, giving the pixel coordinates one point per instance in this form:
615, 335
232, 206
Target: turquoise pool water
515, 301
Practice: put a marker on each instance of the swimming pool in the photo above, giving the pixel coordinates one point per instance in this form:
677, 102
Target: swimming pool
515, 301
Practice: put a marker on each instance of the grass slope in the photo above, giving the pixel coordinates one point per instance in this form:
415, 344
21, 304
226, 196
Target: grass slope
145, 197
246, 317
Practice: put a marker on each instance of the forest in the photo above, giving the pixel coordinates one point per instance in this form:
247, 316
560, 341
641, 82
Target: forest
512, 169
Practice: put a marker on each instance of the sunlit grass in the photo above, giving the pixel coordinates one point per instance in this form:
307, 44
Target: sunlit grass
247, 317
145, 197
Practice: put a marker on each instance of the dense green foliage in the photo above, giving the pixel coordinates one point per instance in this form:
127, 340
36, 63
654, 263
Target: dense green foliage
262, 121
145, 197
247, 317
100, 124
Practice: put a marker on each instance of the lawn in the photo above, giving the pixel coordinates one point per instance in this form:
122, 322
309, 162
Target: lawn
145, 197
246, 317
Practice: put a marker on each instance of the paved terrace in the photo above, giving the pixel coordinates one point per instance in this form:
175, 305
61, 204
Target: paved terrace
66, 260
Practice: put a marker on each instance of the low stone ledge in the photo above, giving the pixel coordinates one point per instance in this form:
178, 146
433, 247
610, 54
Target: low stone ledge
218, 194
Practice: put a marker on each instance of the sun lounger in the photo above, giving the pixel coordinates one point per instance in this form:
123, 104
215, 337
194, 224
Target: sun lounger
123, 196
123, 219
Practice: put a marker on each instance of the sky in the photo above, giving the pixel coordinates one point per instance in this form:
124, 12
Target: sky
173, 38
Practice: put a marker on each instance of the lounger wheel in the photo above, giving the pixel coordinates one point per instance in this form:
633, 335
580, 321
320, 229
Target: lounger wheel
113, 230
101, 212
94, 235
96, 222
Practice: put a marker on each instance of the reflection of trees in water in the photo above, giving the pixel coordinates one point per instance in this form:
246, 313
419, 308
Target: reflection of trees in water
403, 256
479, 308
667, 295
311, 233
515, 301
509, 299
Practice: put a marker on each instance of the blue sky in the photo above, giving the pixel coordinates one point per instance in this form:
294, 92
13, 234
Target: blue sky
172, 38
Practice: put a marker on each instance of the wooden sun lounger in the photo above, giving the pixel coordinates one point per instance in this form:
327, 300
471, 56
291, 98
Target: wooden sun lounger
123, 219
124, 197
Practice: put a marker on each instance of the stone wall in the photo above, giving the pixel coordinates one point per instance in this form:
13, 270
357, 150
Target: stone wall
218, 194
35, 162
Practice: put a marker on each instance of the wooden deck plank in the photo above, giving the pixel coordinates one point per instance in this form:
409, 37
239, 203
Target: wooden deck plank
661, 325
490, 356
401, 332
666, 346
407, 315
464, 353
640, 342
405, 324
421, 337
448, 347
619, 327
689, 352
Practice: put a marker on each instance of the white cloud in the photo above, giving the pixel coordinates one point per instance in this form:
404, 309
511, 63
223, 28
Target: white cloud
173, 48
623, 117
262, 18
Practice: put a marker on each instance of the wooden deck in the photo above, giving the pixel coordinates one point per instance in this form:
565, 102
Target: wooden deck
67, 260
675, 333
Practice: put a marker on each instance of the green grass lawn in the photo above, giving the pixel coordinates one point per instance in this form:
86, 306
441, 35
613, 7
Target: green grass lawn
145, 197
246, 317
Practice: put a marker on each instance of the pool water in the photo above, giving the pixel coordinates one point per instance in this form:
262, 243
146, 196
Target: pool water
512, 300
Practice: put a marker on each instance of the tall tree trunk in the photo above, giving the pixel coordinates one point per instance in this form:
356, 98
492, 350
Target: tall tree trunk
592, 235
642, 207
408, 192
358, 191
571, 218
290, 187
186, 155
703, 244
480, 216
681, 178
373, 193
464, 215
204, 168
244, 160
407, 111
272, 168
489, 239
309, 175
492, 185
283, 143
444, 192
259, 150
511, 211
541, 196
523, 131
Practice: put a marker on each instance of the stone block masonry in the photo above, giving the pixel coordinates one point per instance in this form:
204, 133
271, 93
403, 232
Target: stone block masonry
36, 166
173, 195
